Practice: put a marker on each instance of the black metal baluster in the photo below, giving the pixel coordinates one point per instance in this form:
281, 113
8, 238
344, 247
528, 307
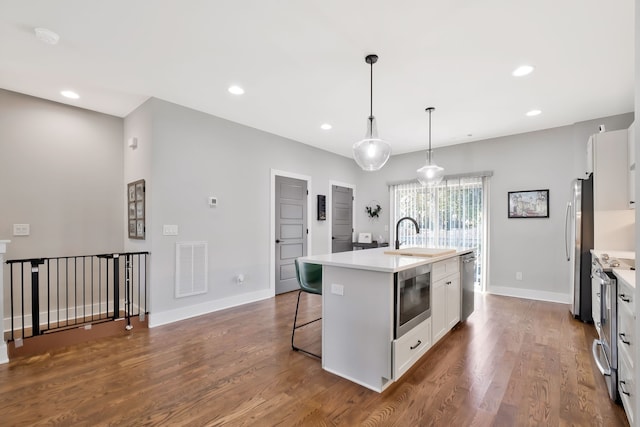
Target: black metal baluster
116, 286
35, 296
11, 293
22, 265
48, 295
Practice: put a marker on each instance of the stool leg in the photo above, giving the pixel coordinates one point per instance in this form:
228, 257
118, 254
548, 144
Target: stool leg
293, 332
295, 318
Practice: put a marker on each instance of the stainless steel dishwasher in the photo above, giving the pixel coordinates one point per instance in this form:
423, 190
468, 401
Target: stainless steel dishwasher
468, 275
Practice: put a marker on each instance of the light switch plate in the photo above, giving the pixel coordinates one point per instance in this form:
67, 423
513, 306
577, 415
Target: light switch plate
21, 229
170, 230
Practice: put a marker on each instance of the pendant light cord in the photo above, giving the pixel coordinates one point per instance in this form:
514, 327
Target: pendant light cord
429, 110
371, 93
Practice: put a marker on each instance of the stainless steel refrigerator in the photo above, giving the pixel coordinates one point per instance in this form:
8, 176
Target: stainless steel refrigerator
578, 237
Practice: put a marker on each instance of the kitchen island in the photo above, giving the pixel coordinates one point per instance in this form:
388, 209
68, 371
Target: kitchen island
358, 313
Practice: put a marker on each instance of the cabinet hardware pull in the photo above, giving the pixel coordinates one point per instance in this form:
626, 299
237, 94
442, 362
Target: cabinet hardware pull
416, 346
624, 298
622, 384
623, 337
448, 283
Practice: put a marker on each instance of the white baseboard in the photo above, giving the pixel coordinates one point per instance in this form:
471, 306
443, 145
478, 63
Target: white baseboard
4, 354
170, 316
530, 294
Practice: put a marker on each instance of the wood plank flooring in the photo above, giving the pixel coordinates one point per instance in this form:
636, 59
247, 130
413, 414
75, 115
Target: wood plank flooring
515, 362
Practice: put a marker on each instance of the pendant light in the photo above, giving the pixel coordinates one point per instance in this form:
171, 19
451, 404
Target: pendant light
430, 174
371, 153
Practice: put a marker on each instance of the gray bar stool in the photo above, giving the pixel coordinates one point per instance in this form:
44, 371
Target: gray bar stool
310, 280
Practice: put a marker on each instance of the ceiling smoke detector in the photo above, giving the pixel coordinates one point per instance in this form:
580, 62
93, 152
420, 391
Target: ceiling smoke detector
47, 36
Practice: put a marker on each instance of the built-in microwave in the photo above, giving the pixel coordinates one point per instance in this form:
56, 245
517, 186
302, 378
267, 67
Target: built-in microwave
412, 298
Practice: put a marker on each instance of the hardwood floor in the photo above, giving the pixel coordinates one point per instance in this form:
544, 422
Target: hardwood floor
515, 362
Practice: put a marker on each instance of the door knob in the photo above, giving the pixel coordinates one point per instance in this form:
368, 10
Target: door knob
277, 240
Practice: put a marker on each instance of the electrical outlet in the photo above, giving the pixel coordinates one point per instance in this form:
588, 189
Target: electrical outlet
518, 275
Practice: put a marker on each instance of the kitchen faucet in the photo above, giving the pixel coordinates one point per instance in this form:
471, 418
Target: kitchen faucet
398, 228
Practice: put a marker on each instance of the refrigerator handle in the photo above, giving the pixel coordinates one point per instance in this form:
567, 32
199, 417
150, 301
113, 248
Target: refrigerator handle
566, 230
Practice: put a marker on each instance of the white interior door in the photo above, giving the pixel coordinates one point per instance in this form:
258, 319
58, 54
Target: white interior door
290, 230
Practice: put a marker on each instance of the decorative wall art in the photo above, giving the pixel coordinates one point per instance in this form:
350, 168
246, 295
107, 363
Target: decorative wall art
373, 210
529, 204
136, 199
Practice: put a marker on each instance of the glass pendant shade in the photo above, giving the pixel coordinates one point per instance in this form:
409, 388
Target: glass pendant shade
371, 153
430, 174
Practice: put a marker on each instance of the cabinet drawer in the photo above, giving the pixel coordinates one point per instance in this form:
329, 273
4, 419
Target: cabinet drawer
626, 340
410, 347
627, 388
626, 297
445, 268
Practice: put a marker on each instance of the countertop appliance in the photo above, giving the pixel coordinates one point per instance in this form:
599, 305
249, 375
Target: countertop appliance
578, 236
468, 282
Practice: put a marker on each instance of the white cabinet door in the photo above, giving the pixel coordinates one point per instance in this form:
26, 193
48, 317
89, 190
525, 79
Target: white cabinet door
452, 285
610, 161
438, 310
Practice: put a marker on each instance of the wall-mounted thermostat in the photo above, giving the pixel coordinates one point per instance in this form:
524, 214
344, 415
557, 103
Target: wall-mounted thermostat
213, 202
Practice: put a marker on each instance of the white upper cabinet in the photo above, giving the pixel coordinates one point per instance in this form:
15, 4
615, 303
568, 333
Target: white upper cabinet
608, 153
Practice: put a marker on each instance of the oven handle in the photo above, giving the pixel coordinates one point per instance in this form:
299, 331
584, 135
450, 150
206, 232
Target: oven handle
596, 358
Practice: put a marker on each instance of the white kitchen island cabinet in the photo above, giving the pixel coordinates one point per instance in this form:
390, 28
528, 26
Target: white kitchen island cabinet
358, 314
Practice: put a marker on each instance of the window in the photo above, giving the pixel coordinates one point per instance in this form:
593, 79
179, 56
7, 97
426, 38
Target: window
453, 214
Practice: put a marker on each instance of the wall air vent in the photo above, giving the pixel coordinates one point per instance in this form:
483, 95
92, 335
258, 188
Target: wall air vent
191, 268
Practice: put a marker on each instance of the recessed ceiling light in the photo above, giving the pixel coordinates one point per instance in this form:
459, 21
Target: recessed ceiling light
236, 90
522, 71
325, 126
47, 36
533, 113
69, 94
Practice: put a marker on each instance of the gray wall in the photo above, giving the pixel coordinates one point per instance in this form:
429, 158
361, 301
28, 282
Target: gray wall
61, 172
547, 159
74, 198
196, 155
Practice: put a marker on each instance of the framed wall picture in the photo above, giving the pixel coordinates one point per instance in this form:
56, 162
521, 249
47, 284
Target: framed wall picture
528, 204
136, 201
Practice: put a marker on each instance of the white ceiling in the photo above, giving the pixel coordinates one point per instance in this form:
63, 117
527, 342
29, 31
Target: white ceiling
302, 64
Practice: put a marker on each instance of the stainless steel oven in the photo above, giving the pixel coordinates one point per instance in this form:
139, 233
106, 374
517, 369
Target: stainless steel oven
605, 348
412, 298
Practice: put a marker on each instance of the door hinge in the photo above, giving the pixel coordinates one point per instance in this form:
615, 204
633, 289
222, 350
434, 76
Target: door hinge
307, 192
307, 231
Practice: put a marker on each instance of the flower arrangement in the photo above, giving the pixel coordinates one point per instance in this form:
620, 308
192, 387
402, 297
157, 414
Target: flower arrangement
373, 212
